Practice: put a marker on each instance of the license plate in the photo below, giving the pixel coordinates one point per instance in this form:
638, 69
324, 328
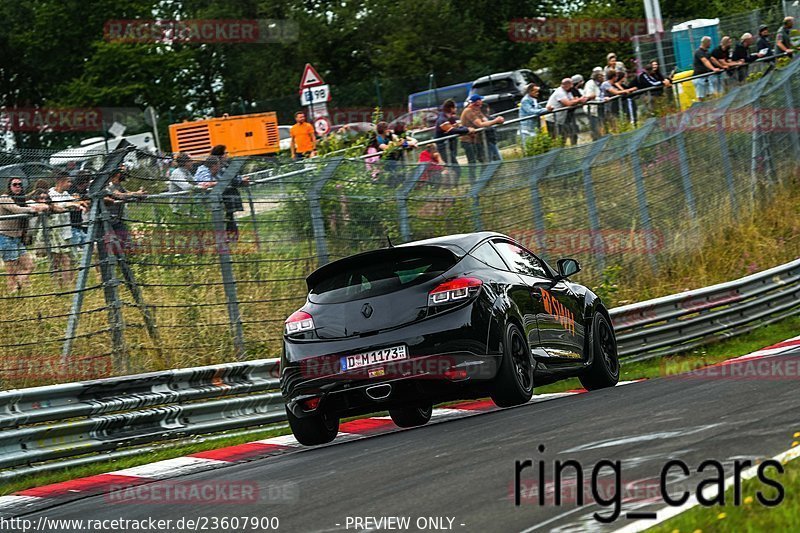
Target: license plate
375, 357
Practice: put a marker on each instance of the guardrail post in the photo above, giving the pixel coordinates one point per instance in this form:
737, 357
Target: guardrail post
543, 162
598, 246
223, 251
402, 195
686, 177
96, 193
317, 220
476, 189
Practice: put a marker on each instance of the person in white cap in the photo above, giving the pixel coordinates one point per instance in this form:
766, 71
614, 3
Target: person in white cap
592, 92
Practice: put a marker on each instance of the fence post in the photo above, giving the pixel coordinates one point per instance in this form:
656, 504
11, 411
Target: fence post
476, 189
686, 177
727, 169
221, 238
317, 220
109, 247
96, 194
253, 218
598, 246
641, 193
793, 135
543, 162
44, 223
402, 200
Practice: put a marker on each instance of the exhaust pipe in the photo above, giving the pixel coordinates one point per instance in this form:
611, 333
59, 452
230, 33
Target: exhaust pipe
379, 392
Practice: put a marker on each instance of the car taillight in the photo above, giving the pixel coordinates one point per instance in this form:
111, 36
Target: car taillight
299, 321
454, 291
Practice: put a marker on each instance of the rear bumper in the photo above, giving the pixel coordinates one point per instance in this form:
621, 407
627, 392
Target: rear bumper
448, 359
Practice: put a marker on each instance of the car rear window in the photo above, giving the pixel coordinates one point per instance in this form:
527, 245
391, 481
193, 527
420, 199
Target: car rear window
386, 271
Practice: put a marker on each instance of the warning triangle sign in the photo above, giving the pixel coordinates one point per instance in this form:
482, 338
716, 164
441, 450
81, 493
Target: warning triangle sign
310, 77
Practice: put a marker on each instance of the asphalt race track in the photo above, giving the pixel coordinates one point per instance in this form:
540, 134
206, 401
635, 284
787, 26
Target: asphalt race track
464, 469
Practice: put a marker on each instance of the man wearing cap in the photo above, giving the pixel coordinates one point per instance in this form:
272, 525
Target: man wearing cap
473, 117
783, 40
764, 45
572, 123
741, 54
560, 99
592, 92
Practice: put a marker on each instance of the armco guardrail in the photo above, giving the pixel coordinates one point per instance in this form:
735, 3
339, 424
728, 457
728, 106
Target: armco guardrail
59, 422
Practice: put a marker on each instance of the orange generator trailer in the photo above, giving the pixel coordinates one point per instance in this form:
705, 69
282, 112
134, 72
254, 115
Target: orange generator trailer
242, 135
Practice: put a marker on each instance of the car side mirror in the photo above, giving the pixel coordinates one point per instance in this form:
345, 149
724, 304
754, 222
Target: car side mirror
567, 267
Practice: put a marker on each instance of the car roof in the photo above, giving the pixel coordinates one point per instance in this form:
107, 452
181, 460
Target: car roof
465, 241
498, 75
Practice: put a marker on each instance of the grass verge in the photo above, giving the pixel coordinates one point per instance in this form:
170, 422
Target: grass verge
735, 347
750, 514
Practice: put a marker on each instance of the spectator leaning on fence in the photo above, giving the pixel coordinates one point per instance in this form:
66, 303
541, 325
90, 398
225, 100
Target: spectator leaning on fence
783, 40
702, 65
530, 107
446, 125
116, 197
79, 190
592, 92
181, 179
560, 99
741, 54
764, 45
473, 117
64, 248
18, 262
721, 58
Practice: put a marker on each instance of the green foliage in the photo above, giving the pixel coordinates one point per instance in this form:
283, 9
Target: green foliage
609, 283
542, 143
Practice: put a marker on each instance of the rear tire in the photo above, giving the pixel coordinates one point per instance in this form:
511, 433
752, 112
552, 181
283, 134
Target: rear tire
513, 384
604, 370
313, 429
409, 417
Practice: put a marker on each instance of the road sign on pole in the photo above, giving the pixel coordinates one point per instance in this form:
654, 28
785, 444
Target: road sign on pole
311, 77
322, 125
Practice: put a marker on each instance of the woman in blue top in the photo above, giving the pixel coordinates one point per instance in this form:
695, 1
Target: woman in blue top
530, 107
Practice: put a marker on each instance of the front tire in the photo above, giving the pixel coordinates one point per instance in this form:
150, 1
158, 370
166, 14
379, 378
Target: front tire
314, 429
409, 417
604, 370
513, 384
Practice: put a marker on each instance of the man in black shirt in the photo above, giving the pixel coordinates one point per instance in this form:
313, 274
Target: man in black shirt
741, 54
446, 125
764, 45
702, 65
720, 58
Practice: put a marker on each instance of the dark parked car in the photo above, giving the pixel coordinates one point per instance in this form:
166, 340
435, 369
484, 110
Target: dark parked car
29, 172
455, 317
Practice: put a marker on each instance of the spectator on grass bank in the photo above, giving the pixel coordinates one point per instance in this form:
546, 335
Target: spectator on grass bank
18, 262
304, 140
435, 172
721, 58
703, 86
207, 174
764, 45
572, 120
231, 198
181, 179
562, 98
79, 190
742, 54
783, 39
473, 143
530, 107
592, 92
652, 77
63, 248
447, 125
116, 198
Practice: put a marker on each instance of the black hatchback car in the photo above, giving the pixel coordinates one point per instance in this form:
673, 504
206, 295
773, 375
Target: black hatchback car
454, 317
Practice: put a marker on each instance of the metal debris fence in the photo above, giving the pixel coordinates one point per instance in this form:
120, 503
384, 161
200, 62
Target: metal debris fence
175, 287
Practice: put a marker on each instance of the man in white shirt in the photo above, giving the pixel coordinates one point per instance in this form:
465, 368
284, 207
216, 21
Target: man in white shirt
561, 99
181, 179
592, 91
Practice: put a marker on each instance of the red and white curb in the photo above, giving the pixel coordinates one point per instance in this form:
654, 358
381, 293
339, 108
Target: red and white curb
33, 499
36, 498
